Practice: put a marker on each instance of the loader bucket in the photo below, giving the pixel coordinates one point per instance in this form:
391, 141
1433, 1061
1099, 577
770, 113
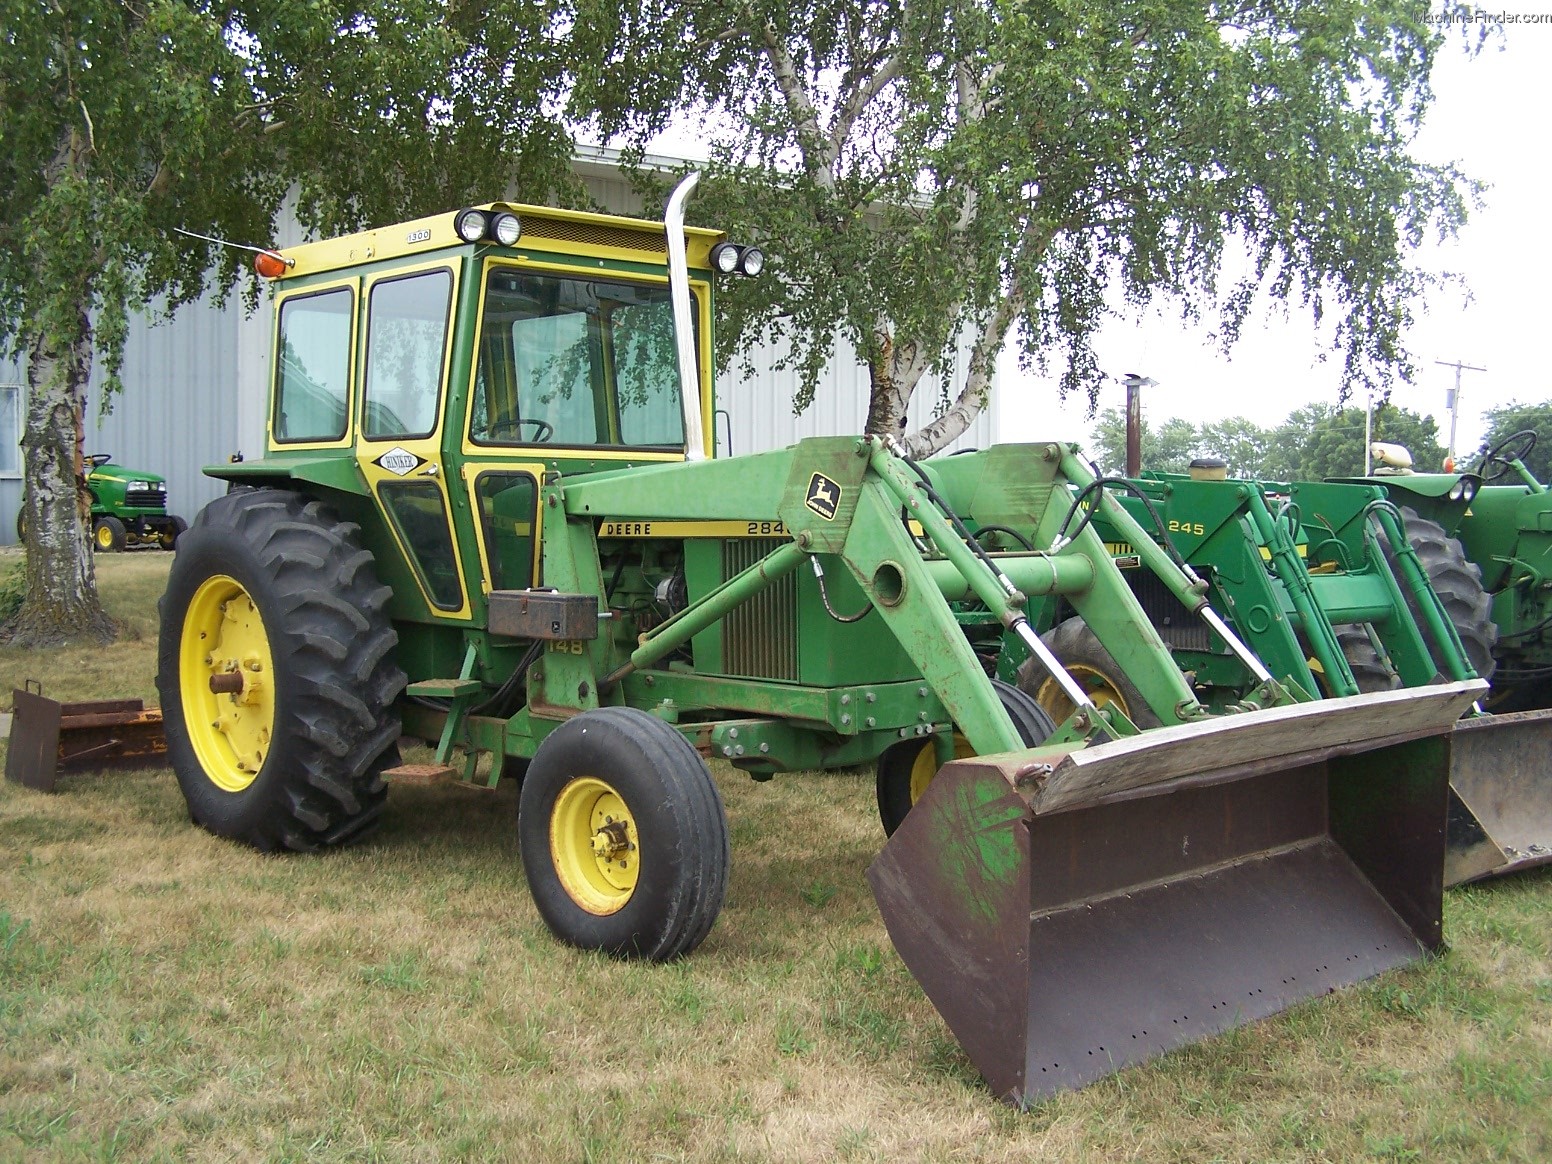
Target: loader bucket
1500, 796
1069, 913
48, 736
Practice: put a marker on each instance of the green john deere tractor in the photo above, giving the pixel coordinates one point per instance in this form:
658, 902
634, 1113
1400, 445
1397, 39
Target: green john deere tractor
486, 519
1334, 593
129, 507
1485, 539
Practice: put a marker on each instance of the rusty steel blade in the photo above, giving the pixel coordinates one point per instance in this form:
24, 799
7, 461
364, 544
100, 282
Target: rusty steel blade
1069, 914
1501, 796
48, 736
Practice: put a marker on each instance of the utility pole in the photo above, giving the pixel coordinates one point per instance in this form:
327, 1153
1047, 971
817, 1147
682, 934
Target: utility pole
1452, 396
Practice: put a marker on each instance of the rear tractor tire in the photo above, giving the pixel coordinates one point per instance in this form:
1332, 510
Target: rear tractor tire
277, 674
1369, 669
905, 769
109, 535
623, 836
1458, 582
1078, 649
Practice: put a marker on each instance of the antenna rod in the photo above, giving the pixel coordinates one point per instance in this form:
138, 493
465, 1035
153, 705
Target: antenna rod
237, 246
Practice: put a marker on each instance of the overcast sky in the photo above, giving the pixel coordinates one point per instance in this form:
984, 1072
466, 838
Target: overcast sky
1490, 115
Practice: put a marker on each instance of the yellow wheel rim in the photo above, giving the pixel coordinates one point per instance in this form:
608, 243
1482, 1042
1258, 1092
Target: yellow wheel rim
594, 845
1095, 682
104, 538
224, 639
925, 766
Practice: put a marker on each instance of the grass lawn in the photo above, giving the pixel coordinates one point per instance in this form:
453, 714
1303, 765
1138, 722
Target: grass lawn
168, 995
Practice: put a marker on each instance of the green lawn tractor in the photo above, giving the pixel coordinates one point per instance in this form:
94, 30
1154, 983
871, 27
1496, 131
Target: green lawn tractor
129, 507
486, 519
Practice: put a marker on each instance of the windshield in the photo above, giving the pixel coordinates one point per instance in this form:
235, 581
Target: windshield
576, 362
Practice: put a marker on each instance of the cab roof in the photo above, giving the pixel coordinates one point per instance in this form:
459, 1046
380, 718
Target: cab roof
545, 228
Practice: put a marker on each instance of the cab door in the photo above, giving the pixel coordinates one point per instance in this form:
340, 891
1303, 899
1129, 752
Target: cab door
407, 348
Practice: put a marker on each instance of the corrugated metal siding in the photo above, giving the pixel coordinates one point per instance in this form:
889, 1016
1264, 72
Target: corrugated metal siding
178, 410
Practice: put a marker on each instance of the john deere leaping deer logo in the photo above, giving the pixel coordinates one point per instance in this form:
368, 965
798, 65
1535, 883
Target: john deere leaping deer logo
823, 496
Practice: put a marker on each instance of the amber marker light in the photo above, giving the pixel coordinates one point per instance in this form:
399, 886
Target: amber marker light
270, 265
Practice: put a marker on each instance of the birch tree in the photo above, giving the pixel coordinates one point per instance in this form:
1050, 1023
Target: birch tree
927, 173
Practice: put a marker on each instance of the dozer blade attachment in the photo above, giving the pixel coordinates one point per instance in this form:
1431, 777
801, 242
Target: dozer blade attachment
1069, 913
48, 736
1500, 796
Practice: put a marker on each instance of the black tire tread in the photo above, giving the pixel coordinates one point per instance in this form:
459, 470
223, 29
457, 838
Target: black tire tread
330, 636
699, 824
1458, 582
1369, 670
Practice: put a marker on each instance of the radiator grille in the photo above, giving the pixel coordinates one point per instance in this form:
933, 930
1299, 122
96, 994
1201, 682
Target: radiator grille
596, 234
759, 638
1176, 625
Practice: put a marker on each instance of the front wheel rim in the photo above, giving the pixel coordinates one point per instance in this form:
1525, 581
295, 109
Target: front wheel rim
104, 537
224, 639
925, 766
1096, 684
594, 845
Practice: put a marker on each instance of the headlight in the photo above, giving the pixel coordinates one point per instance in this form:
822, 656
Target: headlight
471, 224
506, 228
751, 261
724, 257
139, 487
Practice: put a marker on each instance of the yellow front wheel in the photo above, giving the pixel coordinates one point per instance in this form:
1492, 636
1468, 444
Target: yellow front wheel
623, 837
595, 846
1086, 660
907, 768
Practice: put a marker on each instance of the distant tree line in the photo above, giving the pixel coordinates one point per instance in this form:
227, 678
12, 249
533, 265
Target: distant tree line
1315, 441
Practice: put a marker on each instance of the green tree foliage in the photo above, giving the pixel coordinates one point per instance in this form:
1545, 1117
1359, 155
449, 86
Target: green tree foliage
927, 171
1167, 448
121, 120
1512, 418
1316, 441
1319, 441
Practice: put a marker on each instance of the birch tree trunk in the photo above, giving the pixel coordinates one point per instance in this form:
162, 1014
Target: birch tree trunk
61, 603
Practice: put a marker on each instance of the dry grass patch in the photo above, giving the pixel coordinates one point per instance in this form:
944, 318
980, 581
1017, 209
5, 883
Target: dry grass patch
167, 995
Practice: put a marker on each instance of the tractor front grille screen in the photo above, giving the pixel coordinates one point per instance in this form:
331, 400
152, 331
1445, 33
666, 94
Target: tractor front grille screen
596, 235
759, 638
1177, 626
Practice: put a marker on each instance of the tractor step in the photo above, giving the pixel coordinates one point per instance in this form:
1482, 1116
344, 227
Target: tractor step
48, 736
443, 688
420, 774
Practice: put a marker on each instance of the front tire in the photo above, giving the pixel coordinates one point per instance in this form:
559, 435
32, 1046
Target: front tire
905, 769
1078, 649
623, 836
109, 535
273, 599
167, 537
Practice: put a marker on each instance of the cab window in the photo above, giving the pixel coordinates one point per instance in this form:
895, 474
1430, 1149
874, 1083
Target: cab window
406, 339
576, 362
312, 377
